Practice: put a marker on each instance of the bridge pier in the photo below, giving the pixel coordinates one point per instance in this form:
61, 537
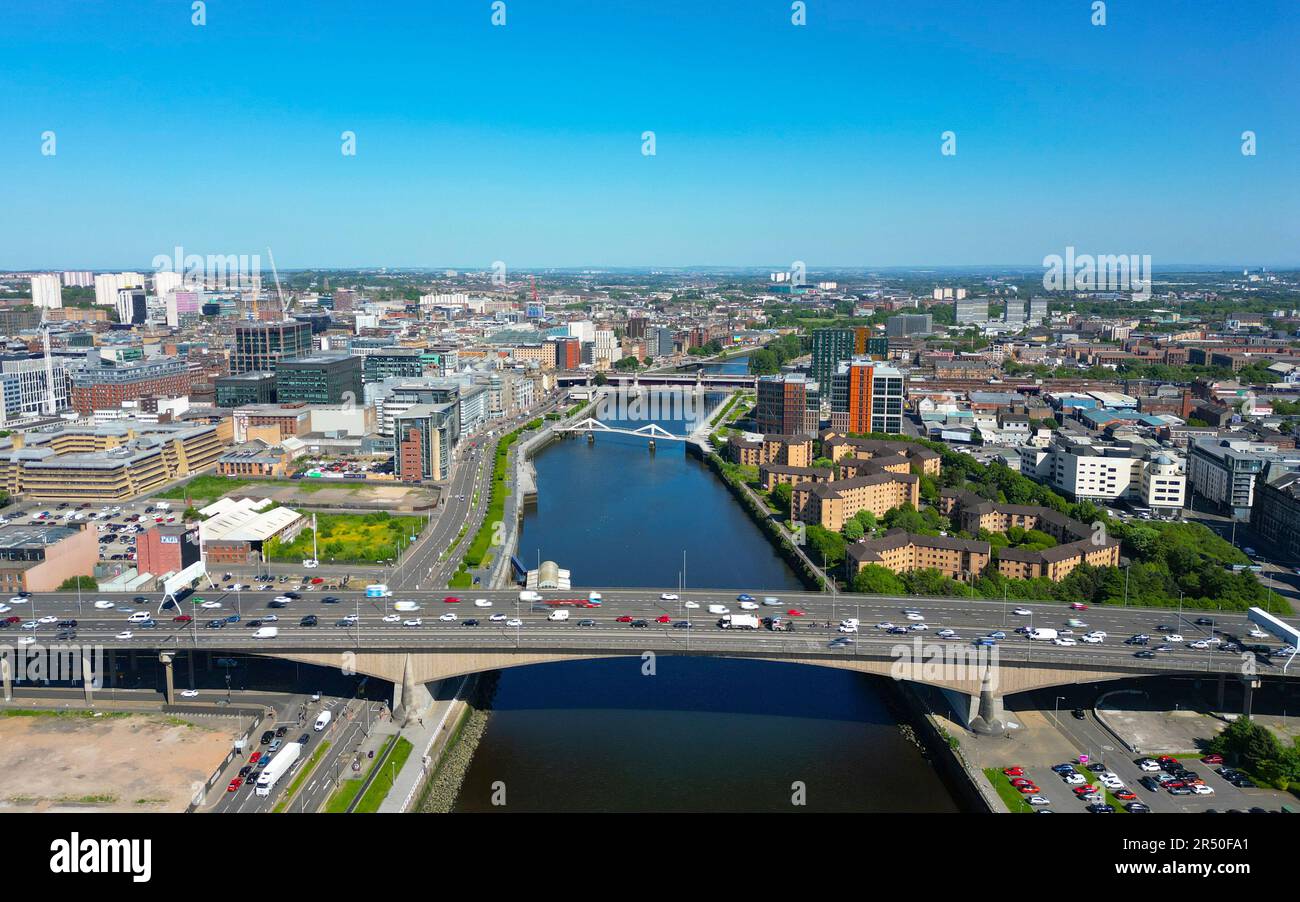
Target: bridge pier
7, 678
410, 698
652, 446
165, 658
87, 675
1250, 683
591, 438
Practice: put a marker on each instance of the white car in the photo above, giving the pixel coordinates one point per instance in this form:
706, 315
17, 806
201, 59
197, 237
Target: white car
189, 693
915, 616
50, 619
1202, 790
1022, 612
1091, 639
771, 601
919, 627
391, 618
884, 625
1199, 645
1148, 765
281, 599
125, 634
1173, 637
27, 640
668, 596
17, 599
1254, 634
482, 603
748, 606
514, 621
102, 604
30, 625
690, 604
847, 628
447, 617
1066, 641
719, 609
497, 618
1038, 800
210, 605
350, 619
1100, 634
1074, 779
270, 618
5, 609
945, 633
418, 621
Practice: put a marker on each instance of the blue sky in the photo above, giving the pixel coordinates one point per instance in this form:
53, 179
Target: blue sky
774, 142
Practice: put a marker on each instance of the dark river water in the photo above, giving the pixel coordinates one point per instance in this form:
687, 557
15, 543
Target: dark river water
700, 734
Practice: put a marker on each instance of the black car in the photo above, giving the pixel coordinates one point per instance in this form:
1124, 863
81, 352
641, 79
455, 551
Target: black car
280, 731
1150, 783
1164, 628
1101, 808
640, 624
67, 624
304, 739
278, 604
253, 624
1137, 808
470, 622
587, 622
64, 635
1078, 714
1204, 621
294, 595
1145, 654
216, 624
344, 623
267, 737
329, 599
245, 770
683, 625
309, 620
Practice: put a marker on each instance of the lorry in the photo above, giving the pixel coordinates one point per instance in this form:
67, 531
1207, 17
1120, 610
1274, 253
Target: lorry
280, 765
594, 598
738, 622
377, 590
1041, 633
529, 595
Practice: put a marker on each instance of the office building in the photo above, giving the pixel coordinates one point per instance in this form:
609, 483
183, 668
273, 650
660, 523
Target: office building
103, 387
425, 435
41, 558
393, 363
132, 306
259, 345
1225, 472
240, 389
319, 379
971, 310
907, 324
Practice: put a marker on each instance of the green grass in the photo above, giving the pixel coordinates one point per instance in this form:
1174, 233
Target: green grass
461, 579
33, 712
342, 797
350, 538
1010, 796
210, 487
303, 773
378, 790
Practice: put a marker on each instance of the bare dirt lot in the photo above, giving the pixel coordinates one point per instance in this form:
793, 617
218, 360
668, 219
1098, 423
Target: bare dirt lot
133, 762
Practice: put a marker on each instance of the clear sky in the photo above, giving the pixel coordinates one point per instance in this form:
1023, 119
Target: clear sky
774, 142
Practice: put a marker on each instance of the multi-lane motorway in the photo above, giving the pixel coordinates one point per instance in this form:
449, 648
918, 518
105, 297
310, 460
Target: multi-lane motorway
379, 625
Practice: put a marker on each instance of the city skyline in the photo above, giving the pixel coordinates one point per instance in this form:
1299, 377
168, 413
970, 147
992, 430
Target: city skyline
773, 142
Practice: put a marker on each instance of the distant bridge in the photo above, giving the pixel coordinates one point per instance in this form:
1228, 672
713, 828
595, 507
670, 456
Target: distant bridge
701, 381
650, 430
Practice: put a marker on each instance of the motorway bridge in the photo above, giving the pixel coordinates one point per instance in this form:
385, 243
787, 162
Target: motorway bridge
376, 640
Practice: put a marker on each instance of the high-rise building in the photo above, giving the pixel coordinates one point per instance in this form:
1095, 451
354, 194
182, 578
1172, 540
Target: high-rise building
105, 387
787, 405
132, 306
867, 397
830, 347
78, 279
47, 293
1015, 311
971, 310
425, 436
1037, 311
636, 326
905, 324
259, 345
164, 280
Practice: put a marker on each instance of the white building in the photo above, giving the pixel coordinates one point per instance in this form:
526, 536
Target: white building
1082, 470
47, 293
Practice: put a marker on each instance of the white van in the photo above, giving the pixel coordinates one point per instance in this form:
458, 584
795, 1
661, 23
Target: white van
594, 598
406, 606
266, 632
1041, 633
139, 617
558, 615
324, 720
719, 609
529, 595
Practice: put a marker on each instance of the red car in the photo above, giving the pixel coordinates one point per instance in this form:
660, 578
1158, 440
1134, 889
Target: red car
1084, 789
624, 619
1021, 781
183, 618
316, 581
794, 612
1167, 759
1125, 795
13, 620
1028, 789
1014, 771
1212, 759
451, 599
1078, 606
256, 757
664, 618
235, 784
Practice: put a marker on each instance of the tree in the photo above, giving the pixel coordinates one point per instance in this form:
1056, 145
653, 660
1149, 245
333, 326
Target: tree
824, 462
829, 545
873, 579
86, 583
781, 497
600, 379
852, 531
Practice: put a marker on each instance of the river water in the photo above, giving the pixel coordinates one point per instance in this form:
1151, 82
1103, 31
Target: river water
700, 734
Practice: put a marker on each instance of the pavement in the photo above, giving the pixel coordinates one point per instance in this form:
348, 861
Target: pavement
427, 735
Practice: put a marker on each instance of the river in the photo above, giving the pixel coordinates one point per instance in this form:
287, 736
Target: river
700, 734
